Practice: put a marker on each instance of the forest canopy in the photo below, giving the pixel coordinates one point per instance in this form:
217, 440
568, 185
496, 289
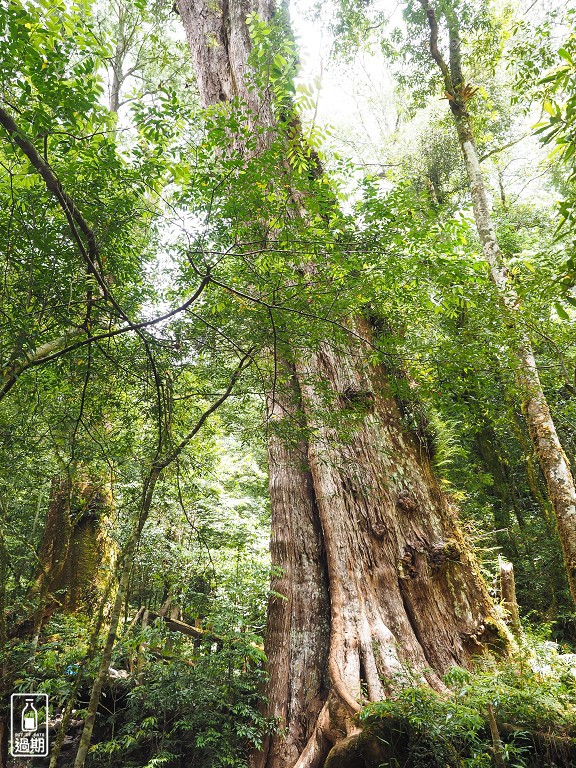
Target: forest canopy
288, 383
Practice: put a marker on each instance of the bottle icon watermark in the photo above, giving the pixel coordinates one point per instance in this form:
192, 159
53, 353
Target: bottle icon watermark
29, 717
29, 725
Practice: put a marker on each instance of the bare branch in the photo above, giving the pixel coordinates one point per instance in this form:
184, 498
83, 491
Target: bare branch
59, 347
177, 450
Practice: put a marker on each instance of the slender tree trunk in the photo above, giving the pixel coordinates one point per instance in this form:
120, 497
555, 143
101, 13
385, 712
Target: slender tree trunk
378, 584
102, 676
4, 669
553, 460
555, 465
508, 595
141, 654
557, 577
534, 476
4, 566
80, 677
117, 63
502, 488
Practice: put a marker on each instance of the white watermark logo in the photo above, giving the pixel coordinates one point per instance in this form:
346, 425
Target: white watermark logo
29, 725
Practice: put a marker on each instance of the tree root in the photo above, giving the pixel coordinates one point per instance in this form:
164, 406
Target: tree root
318, 745
340, 686
333, 725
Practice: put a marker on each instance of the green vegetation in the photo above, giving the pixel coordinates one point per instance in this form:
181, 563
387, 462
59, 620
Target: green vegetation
170, 265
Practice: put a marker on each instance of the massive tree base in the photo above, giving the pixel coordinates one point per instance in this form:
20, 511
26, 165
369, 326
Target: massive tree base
380, 588
388, 746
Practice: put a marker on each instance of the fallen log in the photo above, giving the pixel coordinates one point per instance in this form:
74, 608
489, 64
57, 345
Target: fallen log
175, 625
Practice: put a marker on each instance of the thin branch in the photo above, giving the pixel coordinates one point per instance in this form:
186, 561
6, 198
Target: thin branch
49, 350
191, 523
501, 149
301, 313
434, 50
174, 625
56, 348
90, 253
177, 450
79, 420
75, 219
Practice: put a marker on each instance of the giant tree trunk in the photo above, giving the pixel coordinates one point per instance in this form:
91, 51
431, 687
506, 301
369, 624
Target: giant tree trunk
379, 586
74, 557
404, 588
553, 460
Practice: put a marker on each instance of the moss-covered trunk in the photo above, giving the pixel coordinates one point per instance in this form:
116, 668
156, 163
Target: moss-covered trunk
76, 551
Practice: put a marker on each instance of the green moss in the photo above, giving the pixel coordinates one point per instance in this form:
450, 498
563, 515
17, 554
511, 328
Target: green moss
497, 636
386, 743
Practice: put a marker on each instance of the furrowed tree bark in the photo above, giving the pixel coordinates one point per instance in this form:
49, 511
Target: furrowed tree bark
555, 465
298, 629
379, 585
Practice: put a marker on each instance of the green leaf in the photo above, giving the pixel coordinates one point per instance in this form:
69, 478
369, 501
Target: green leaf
565, 55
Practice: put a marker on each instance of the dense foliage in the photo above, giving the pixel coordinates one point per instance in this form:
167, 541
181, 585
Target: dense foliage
143, 328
